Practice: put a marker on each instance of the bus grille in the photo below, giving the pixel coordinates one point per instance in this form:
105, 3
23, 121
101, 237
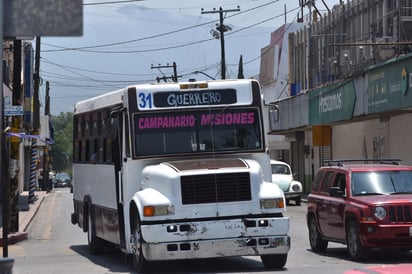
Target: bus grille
215, 188
400, 214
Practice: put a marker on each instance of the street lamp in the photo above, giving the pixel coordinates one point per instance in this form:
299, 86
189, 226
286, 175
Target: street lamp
205, 74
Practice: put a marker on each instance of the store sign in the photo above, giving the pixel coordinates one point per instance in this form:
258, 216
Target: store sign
332, 103
388, 86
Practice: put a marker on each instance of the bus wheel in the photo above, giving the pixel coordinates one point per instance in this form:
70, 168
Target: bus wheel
139, 261
274, 260
96, 245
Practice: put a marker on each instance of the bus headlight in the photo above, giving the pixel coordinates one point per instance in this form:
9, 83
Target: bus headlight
272, 203
158, 210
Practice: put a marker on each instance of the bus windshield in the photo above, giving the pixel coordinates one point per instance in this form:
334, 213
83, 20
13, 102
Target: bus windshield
182, 132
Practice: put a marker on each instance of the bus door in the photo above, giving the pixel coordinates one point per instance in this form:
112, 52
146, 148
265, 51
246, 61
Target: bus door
117, 126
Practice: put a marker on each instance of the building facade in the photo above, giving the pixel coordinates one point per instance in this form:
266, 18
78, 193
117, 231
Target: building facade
350, 87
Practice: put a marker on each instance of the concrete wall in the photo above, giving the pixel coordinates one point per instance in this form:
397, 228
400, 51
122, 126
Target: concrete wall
376, 138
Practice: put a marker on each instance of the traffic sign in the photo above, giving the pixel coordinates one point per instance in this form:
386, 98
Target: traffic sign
13, 110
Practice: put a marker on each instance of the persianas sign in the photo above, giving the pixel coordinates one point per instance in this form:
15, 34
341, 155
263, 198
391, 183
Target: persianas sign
163, 121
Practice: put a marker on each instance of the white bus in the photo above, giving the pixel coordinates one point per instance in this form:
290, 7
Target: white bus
178, 171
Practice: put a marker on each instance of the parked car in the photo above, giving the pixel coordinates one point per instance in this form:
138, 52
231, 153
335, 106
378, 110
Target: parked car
282, 175
363, 206
62, 180
383, 269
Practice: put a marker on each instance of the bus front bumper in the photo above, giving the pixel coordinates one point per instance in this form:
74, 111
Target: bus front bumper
253, 246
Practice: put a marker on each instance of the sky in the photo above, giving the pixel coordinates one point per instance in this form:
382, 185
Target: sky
124, 43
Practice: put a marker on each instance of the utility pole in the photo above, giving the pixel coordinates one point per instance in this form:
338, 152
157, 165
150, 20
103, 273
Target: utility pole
36, 102
173, 77
46, 182
3, 173
36, 121
222, 29
15, 141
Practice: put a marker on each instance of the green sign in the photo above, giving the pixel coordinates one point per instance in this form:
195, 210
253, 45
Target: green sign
332, 103
389, 85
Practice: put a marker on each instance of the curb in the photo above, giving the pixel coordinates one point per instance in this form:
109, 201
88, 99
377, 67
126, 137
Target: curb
25, 218
27, 222
13, 238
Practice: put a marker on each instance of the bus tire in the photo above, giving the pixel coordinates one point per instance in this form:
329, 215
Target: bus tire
96, 245
139, 261
274, 260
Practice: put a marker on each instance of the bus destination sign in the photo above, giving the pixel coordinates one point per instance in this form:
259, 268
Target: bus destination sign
194, 98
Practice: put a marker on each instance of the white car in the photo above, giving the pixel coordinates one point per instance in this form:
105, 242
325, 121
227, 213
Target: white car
283, 177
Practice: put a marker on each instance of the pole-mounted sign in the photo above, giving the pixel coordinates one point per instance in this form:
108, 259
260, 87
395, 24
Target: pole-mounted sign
26, 19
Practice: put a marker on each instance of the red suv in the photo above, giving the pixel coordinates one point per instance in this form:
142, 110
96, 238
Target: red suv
362, 206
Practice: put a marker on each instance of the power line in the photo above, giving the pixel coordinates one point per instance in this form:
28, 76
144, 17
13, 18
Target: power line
165, 48
60, 48
86, 49
82, 78
123, 42
76, 73
45, 60
110, 2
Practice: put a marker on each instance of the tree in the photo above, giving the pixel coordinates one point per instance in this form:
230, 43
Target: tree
240, 71
62, 149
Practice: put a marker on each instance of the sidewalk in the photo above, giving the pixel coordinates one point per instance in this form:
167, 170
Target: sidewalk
26, 213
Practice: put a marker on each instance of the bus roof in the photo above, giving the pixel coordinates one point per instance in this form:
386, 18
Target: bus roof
117, 96
101, 101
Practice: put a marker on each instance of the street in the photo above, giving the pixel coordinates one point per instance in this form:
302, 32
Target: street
54, 245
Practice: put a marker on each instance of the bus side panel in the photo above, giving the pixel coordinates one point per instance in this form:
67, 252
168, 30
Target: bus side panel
107, 224
95, 184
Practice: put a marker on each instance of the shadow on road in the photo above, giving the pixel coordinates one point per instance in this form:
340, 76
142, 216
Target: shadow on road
120, 263
376, 256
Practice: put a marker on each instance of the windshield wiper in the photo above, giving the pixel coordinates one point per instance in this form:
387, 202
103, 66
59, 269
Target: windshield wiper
401, 192
370, 193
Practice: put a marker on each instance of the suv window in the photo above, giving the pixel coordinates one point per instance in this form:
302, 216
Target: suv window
317, 181
328, 182
382, 182
340, 181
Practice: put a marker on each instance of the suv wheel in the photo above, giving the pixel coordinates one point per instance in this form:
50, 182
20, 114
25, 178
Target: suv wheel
316, 242
354, 245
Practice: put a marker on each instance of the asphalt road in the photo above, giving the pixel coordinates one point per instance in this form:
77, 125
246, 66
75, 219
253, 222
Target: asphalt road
54, 245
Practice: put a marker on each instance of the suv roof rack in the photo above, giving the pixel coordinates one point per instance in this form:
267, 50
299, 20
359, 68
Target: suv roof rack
375, 161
